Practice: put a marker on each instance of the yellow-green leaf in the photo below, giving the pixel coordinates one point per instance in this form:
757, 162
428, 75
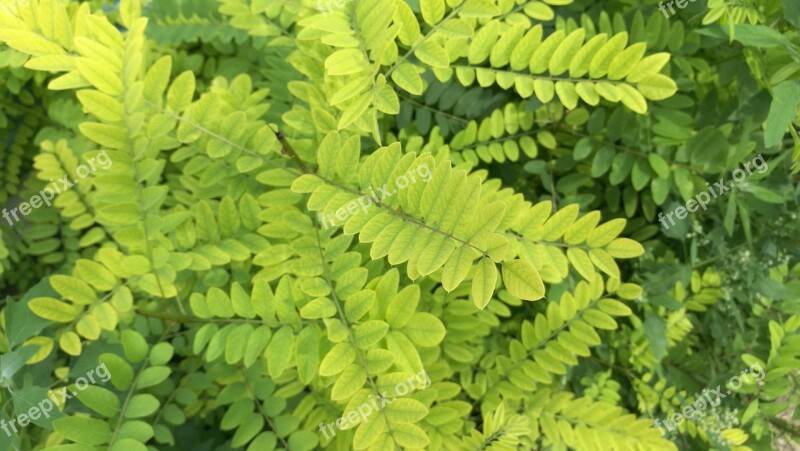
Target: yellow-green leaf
70, 343
54, 310
483, 282
406, 77
522, 280
624, 248
432, 11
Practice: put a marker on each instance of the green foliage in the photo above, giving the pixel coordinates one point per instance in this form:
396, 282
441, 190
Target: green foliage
313, 204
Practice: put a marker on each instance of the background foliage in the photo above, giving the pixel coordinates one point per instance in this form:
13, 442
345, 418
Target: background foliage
529, 277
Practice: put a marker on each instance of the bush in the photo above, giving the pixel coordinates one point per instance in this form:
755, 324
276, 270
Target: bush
391, 224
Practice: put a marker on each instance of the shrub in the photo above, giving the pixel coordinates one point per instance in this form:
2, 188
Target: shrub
461, 224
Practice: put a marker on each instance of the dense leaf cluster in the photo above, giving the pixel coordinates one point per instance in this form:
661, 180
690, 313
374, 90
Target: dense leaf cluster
312, 204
